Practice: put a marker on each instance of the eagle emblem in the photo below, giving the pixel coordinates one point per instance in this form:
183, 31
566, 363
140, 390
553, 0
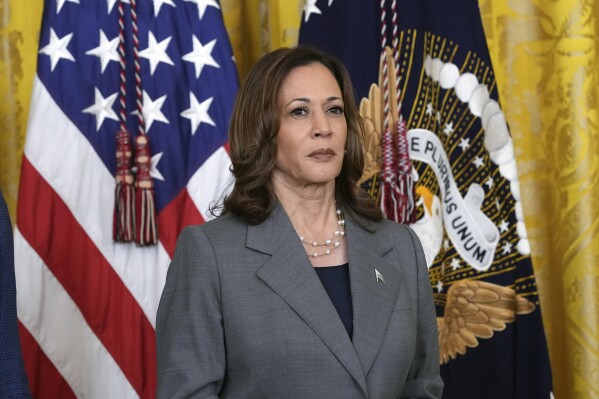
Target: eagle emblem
473, 309
476, 309
372, 111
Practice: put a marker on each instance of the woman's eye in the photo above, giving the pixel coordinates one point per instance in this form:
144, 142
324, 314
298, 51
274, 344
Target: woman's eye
299, 111
337, 109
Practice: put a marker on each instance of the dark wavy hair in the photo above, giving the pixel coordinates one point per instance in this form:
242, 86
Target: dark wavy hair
253, 137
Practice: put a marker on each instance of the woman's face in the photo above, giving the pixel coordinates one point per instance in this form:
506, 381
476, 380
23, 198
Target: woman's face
313, 129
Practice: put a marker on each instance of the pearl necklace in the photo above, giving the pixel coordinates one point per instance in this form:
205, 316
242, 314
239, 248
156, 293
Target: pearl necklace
332, 243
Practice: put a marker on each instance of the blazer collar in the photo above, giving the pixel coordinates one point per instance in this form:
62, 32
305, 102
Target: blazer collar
373, 299
289, 273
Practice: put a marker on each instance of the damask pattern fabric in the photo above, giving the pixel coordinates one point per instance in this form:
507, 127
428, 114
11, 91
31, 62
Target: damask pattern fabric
546, 59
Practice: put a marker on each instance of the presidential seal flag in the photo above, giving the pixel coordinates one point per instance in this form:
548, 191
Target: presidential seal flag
159, 76
439, 146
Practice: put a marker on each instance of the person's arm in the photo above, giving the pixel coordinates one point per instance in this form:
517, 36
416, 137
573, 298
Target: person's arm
13, 381
189, 331
424, 379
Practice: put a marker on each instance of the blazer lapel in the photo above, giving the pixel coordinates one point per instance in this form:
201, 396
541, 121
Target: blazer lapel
289, 273
373, 299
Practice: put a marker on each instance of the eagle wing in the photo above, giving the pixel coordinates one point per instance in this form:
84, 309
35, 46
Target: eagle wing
476, 309
372, 110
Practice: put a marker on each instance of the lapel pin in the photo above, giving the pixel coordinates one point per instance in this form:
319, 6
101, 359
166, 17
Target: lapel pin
379, 276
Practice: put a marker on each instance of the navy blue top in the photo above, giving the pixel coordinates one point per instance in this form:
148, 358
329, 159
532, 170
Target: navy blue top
335, 280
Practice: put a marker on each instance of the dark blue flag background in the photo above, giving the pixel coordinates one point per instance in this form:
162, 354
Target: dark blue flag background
469, 215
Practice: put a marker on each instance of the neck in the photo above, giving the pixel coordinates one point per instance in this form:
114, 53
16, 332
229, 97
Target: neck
313, 214
310, 208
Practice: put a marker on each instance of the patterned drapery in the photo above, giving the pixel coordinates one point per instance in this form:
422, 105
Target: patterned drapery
546, 59
19, 32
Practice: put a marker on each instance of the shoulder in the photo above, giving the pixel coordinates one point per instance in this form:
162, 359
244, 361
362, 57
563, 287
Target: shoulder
388, 230
216, 229
201, 247
404, 237
386, 226
223, 232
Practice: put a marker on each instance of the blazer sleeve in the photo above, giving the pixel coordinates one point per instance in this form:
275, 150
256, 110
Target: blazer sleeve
13, 381
424, 378
189, 331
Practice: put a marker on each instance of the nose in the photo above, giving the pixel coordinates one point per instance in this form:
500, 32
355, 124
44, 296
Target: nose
321, 125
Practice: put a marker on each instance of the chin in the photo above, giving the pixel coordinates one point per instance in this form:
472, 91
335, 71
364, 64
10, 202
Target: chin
320, 176
325, 179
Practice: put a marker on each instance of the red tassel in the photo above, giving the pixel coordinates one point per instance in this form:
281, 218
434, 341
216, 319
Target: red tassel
404, 174
390, 192
146, 228
397, 194
124, 194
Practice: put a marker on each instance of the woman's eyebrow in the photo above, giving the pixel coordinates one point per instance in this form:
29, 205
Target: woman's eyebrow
307, 100
301, 99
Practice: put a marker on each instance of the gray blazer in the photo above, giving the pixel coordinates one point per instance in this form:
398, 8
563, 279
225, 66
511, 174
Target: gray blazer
244, 315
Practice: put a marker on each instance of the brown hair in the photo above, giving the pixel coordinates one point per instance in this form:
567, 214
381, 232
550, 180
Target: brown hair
253, 137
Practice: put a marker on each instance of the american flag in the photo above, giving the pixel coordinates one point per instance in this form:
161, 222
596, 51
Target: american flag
86, 304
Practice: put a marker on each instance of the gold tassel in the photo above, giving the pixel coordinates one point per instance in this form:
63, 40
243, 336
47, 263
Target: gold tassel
146, 226
124, 194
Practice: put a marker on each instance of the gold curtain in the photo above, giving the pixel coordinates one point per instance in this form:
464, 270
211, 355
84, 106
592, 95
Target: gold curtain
19, 32
258, 26
546, 59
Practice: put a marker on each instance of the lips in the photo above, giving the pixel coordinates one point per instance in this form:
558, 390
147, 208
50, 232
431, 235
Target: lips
322, 152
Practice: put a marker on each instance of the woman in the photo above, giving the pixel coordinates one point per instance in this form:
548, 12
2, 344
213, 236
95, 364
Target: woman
300, 289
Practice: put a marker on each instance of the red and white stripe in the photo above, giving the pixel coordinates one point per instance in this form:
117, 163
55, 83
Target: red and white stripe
87, 305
